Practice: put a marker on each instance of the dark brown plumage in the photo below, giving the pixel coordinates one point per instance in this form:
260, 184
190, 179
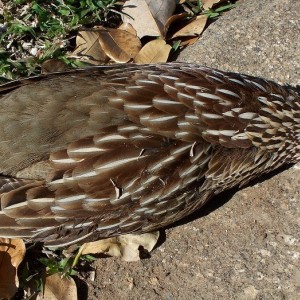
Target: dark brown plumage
92, 153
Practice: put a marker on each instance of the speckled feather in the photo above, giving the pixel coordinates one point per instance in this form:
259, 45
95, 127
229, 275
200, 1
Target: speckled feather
92, 153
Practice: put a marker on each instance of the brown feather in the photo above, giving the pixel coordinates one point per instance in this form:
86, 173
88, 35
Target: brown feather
108, 150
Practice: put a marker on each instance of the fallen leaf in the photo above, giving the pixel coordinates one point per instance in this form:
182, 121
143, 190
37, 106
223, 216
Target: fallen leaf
101, 44
109, 246
193, 28
161, 11
119, 45
58, 288
156, 51
128, 27
12, 252
124, 246
207, 4
176, 18
88, 47
187, 41
131, 242
148, 17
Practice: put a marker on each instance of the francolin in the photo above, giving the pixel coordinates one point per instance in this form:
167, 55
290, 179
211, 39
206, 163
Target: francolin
108, 150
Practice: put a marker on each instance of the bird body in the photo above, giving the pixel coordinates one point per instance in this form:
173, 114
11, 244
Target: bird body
96, 152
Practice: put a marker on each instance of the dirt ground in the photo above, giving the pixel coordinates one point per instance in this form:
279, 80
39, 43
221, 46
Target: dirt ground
243, 245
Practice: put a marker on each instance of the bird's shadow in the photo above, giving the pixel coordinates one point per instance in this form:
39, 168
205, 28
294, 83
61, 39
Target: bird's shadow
215, 203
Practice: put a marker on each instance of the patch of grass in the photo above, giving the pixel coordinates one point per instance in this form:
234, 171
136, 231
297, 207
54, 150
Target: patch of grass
41, 262
214, 13
196, 7
34, 31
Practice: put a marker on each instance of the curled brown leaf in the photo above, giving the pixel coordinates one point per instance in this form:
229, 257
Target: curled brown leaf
192, 28
57, 288
102, 44
119, 45
156, 51
207, 4
148, 17
124, 246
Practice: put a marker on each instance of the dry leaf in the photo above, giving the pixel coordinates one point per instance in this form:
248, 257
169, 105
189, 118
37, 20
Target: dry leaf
131, 243
110, 246
161, 11
148, 17
187, 41
124, 246
87, 45
58, 288
128, 27
156, 51
102, 44
193, 28
119, 45
176, 18
207, 4
12, 252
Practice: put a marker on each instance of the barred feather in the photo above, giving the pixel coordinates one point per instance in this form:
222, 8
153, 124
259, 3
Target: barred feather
92, 153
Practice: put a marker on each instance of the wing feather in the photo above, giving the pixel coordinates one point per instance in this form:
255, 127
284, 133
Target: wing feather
108, 150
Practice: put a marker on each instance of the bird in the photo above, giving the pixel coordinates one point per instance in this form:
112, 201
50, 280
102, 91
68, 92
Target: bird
103, 151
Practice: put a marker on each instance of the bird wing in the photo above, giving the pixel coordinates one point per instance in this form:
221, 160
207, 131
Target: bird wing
126, 148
